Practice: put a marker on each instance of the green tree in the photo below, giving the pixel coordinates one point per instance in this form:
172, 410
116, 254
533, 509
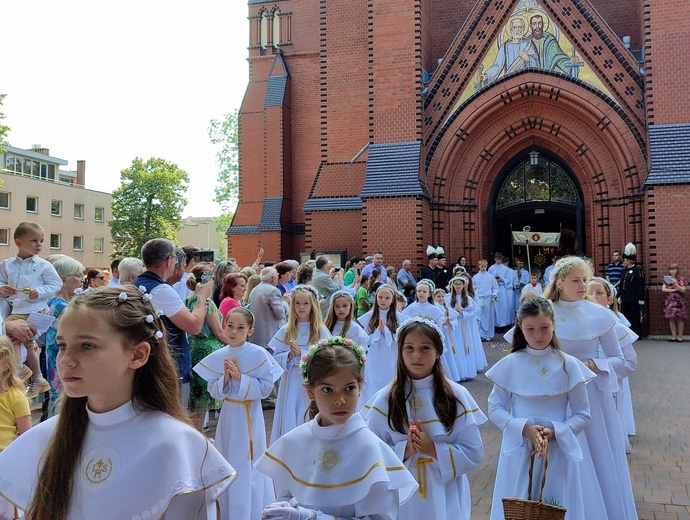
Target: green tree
4, 130
148, 204
224, 133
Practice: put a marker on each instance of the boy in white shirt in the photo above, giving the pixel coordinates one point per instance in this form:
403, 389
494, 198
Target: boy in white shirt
27, 282
533, 286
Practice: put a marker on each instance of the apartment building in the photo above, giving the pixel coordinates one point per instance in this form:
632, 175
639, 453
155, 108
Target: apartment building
37, 187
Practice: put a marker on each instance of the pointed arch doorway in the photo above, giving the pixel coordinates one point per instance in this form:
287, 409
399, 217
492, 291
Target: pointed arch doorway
542, 192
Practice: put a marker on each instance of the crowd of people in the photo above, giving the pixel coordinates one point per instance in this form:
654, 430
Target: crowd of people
363, 365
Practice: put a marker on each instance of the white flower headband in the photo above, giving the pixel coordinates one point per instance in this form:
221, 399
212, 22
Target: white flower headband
564, 263
305, 287
342, 292
426, 321
605, 282
428, 282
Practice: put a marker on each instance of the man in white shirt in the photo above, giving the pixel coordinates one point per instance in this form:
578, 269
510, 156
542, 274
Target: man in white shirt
189, 262
161, 260
115, 272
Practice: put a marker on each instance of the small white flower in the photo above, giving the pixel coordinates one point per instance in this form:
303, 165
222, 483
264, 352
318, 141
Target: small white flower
142, 289
159, 313
149, 318
148, 297
122, 296
159, 334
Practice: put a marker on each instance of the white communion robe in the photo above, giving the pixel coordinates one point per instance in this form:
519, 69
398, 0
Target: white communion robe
382, 356
486, 289
134, 465
540, 387
453, 357
444, 490
469, 328
292, 400
503, 308
342, 471
241, 433
581, 328
355, 332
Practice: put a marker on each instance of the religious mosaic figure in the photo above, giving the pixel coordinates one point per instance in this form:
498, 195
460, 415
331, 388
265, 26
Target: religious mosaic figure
551, 56
515, 54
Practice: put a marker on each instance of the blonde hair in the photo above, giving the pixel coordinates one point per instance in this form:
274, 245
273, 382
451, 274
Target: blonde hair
315, 319
561, 270
8, 366
609, 289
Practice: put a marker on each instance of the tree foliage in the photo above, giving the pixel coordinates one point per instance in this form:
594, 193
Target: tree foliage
148, 204
224, 133
4, 129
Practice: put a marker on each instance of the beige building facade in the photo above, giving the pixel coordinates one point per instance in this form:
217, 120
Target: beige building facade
35, 189
201, 232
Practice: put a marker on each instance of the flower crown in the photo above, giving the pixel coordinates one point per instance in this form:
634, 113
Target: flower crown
306, 287
458, 278
564, 263
428, 282
426, 321
342, 292
307, 358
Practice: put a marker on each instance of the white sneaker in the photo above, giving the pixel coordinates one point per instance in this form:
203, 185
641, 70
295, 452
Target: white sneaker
37, 387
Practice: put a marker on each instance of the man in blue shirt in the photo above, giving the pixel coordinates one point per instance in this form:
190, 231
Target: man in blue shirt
405, 276
614, 271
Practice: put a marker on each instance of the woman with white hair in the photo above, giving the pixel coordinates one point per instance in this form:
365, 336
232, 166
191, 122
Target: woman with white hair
130, 268
71, 272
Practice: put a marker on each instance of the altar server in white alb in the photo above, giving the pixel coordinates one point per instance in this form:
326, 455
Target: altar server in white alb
486, 289
334, 467
121, 446
539, 399
240, 375
303, 328
431, 423
504, 309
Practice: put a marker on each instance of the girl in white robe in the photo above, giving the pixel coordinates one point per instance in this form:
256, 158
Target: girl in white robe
240, 375
334, 467
463, 301
341, 321
304, 327
380, 323
122, 443
582, 327
604, 293
539, 397
431, 423
454, 359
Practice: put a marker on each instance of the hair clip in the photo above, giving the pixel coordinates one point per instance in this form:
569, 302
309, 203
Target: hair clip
192, 277
159, 313
159, 334
142, 289
148, 297
122, 297
149, 318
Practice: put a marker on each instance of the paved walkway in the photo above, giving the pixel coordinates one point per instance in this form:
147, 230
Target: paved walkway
660, 458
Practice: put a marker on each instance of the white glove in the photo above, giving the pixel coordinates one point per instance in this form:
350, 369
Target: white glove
641, 302
287, 511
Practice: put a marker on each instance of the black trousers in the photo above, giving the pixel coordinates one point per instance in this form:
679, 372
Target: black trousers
631, 310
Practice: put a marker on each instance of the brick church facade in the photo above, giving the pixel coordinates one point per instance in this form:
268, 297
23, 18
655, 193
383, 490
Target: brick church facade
397, 124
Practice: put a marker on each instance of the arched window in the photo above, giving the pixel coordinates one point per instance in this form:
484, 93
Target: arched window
276, 27
545, 182
264, 29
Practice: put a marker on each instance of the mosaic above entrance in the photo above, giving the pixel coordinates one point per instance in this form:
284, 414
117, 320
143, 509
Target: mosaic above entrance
530, 40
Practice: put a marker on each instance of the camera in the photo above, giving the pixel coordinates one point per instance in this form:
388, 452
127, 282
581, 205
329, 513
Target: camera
206, 276
204, 255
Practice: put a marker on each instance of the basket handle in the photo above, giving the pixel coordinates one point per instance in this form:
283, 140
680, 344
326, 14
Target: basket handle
543, 477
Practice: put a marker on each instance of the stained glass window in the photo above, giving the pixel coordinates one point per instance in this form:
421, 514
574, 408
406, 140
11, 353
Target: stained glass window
544, 182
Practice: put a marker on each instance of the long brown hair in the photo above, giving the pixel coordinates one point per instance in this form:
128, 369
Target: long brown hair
332, 319
391, 318
155, 387
445, 402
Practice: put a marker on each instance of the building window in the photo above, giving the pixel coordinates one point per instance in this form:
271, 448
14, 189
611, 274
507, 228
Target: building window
97, 245
77, 243
48, 171
4, 236
54, 241
99, 214
56, 208
32, 204
4, 200
79, 211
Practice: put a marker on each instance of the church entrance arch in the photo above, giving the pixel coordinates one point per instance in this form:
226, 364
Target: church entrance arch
536, 188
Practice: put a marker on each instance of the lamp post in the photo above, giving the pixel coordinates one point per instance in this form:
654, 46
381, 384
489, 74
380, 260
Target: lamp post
534, 157
526, 231
122, 244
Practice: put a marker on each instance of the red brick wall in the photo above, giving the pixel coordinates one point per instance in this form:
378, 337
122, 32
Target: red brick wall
667, 78
335, 230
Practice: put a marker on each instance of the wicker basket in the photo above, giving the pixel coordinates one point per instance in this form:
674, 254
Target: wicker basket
521, 509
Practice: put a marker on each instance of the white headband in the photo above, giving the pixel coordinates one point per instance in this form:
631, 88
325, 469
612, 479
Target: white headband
426, 321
